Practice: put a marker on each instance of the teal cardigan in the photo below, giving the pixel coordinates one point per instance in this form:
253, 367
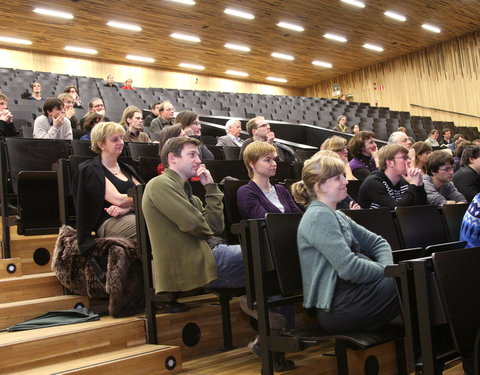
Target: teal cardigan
325, 242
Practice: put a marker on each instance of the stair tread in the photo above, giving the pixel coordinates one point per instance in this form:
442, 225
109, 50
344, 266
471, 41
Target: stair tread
40, 300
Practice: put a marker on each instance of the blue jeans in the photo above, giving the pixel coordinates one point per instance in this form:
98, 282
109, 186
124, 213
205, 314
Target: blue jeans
229, 262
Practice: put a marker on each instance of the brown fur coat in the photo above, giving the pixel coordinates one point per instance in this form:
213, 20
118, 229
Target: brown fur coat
117, 257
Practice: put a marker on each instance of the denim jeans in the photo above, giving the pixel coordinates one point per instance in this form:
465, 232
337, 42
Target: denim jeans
229, 262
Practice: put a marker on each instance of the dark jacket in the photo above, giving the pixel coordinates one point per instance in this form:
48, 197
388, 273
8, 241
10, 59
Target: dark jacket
467, 182
7, 129
89, 196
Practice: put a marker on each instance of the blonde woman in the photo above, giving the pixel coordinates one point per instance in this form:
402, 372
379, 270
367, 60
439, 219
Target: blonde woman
339, 146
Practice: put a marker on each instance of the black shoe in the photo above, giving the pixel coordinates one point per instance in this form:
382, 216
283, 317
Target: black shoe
174, 307
282, 364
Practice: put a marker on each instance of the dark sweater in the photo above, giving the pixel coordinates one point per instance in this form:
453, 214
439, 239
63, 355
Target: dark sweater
467, 182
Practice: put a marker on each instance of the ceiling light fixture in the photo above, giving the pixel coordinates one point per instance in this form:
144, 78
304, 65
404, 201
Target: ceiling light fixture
322, 63
8, 39
191, 66
338, 38
124, 26
186, 2
395, 16
373, 47
239, 13
188, 38
290, 26
89, 51
237, 73
237, 47
140, 58
282, 56
276, 79
53, 13
354, 3
432, 28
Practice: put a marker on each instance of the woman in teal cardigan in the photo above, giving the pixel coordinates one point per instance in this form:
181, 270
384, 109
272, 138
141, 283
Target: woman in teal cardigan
342, 263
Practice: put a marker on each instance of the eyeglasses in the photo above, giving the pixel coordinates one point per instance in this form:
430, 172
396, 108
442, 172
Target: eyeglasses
262, 125
446, 169
344, 148
404, 157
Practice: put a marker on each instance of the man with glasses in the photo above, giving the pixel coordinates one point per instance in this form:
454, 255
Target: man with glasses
396, 183
259, 130
438, 180
165, 117
95, 106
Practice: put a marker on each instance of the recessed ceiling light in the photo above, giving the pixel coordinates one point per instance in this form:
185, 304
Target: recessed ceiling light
395, 16
239, 13
8, 39
125, 26
81, 50
373, 47
186, 2
432, 28
237, 73
322, 63
290, 26
53, 13
354, 3
140, 58
282, 56
276, 79
338, 38
191, 66
188, 38
237, 47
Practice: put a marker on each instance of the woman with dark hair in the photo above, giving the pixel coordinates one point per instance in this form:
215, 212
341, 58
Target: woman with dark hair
422, 150
166, 133
460, 146
191, 125
342, 262
73, 91
364, 151
91, 120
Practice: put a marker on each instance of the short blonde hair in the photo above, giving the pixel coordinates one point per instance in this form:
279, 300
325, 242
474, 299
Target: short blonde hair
334, 143
255, 151
318, 169
103, 130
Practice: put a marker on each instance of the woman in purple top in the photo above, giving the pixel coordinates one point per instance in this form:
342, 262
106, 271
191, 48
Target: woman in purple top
259, 197
364, 150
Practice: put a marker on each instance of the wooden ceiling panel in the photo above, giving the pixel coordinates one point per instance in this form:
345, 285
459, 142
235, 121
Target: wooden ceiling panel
206, 19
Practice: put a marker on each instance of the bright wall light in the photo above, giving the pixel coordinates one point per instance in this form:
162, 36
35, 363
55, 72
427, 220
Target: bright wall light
276, 79
140, 58
237, 47
432, 28
354, 3
89, 51
124, 26
188, 38
395, 16
282, 56
338, 38
290, 26
373, 47
53, 13
237, 73
186, 2
322, 64
8, 39
239, 13
191, 66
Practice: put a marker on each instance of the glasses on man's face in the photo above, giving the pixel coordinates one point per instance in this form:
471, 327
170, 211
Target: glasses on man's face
404, 157
446, 169
263, 125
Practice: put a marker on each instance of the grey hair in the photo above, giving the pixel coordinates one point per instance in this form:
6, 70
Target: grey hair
229, 124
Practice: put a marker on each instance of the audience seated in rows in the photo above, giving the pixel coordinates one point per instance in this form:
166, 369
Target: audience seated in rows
187, 253
342, 124
128, 85
53, 124
67, 100
467, 178
100, 188
232, 128
342, 263
364, 151
339, 146
7, 128
110, 82
191, 126
95, 105
36, 93
132, 121
438, 180
422, 150
73, 91
166, 116
432, 139
92, 119
460, 146
259, 130
166, 133
355, 129
395, 183
155, 112
446, 137
401, 138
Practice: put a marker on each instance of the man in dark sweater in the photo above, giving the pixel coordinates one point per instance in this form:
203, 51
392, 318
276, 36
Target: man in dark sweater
395, 184
7, 129
467, 178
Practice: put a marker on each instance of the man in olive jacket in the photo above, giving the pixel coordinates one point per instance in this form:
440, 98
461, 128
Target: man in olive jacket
186, 253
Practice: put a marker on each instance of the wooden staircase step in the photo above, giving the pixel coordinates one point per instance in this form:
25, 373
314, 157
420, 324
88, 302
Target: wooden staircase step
16, 312
62, 343
29, 287
137, 360
10, 267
